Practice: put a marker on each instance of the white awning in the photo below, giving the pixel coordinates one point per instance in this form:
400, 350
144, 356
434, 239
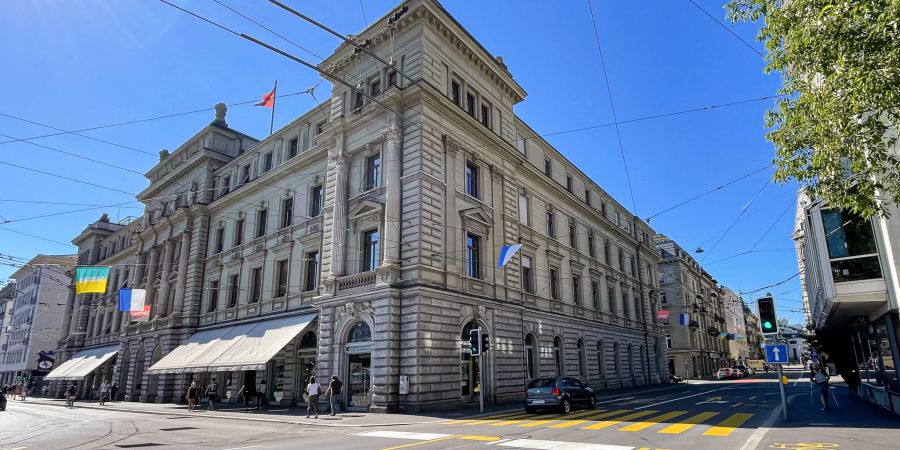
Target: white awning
240, 347
83, 363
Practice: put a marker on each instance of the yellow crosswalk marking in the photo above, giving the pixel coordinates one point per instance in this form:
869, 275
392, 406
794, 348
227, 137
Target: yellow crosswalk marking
454, 422
504, 423
609, 423
480, 438
688, 423
725, 427
537, 423
593, 416
638, 426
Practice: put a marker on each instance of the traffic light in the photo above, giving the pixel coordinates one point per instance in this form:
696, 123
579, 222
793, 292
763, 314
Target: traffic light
768, 321
475, 342
485, 343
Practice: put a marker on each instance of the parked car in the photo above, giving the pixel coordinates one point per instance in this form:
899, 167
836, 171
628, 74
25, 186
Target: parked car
674, 378
725, 373
747, 371
562, 393
741, 373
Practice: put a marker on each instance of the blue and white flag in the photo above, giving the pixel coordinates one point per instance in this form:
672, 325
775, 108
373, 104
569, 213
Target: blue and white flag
132, 299
506, 254
683, 319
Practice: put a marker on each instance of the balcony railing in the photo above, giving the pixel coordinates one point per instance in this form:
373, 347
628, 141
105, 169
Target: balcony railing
357, 281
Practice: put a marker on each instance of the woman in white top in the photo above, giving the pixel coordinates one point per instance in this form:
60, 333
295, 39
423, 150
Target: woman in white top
313, 389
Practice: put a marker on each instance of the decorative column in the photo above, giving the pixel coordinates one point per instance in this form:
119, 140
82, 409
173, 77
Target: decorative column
391, 159
151, 274
182, 272
163, 303
339, 226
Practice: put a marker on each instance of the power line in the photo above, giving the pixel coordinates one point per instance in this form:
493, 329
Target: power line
66, 178
363, 9
4, 222
729, 30
771, 285
63, 203
705, 193
736, 219
76, 155
73, 132
612, 107
37, 237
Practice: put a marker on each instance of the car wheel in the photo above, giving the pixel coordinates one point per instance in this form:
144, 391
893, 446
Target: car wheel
593, 402
530, 410
566, 406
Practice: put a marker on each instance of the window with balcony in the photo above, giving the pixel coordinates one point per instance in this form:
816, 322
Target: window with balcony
267, 162
281, 278
293, 147
576, 289
551, 225
213, 296
523, 210
261, 218
554, 282
239, 232
852, 250
370, 250
287, 212
315, 201
312, 271
220, 239
234, 287
255, 284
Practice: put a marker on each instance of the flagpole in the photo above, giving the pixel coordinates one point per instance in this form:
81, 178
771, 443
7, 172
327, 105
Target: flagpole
274, 96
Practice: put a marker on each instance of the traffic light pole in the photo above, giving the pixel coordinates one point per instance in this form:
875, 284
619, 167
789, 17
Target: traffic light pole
481, 383
784, 408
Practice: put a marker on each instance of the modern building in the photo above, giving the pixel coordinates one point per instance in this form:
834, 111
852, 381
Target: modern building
7, 297
736, 326
794, 336
849, 270
755, 339
696, 308
362, 240
39, 300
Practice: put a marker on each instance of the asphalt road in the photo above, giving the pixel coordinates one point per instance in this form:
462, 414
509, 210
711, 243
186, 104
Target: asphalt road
720, 415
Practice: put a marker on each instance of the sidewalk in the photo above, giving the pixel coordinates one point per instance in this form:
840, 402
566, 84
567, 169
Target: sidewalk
851, 423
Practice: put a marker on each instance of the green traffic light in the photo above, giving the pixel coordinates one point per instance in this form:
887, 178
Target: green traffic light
767, 324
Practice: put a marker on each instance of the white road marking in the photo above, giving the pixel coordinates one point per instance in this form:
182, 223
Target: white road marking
616, 400
403, 435
679, 398
561, 445
497, 442
760, 432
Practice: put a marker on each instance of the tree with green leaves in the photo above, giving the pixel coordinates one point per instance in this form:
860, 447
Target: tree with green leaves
835, 129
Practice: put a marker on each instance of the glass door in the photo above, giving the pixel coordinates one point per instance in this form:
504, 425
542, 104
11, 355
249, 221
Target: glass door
359, 381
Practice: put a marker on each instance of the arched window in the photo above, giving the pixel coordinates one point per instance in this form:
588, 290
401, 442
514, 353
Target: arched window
557, 355
359, 333
601, 356
582, 364
308, 340
616, 358
467, 330
530, 362
630, 360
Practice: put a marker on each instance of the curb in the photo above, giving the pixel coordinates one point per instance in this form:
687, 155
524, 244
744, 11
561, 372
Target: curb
252, 418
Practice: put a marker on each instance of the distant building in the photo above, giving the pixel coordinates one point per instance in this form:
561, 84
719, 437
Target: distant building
41, 290
754, 334
736, 325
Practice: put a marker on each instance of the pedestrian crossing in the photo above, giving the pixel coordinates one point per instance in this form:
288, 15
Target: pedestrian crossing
626, 420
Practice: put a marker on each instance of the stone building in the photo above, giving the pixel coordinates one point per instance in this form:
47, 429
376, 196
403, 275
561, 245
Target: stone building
362, 239
736, 326
695, 348
754, 334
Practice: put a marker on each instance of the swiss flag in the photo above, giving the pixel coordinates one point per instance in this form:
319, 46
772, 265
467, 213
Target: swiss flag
268, 99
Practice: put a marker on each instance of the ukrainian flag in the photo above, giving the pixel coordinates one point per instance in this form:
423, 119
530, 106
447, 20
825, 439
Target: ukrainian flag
91, 280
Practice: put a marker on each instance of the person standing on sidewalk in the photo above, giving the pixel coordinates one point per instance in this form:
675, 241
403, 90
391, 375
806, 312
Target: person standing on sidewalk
313, 389
334, 394
104, 392
246, 392
113, 390
212, 395
821, 378
260, 394
193, 392
70, 395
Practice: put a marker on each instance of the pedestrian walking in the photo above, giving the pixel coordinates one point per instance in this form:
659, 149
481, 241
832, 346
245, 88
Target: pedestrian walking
334, 394
113, 390
212, 395
71, 392
313, 390
260, 394
821, 379
104, 392
193, 392
246, 392
45, 389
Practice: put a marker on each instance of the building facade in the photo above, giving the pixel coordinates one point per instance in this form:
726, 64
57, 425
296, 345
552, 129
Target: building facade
754, 334
696, 308
736, 326
851, 281
362, 240
34, 314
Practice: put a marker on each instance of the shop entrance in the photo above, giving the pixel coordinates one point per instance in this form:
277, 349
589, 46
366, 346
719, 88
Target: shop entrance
306, 368
359, 364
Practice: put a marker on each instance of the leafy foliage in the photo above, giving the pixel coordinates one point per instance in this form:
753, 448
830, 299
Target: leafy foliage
836, 129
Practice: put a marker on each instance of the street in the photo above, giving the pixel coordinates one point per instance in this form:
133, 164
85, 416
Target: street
728, 414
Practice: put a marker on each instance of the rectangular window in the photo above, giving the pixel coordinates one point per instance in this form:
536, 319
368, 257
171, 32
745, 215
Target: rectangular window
320, 127
852, 250
520, 143
621, 260
287, 212
611, 299
245, 174
603, 209
220, 239
293, 147
590, 238
267, 162
370, 250
548, 167
358, 99
576, 289
471, 179
375, 87
527, 275
554, 283
255, 284
473, 261
595, 294
315, 201
662, 298
523, 210
456, 93
485, 115
569, 182
587, 196
312, 270
226, 184
392, 78
373, 171
213, 296
239, 232
573, 235
233, 289
606, 255
281, 278
261, 217
551, 226
470, 105
631, 265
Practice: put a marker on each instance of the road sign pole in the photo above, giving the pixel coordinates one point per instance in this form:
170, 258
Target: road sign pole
784, 408
481, 382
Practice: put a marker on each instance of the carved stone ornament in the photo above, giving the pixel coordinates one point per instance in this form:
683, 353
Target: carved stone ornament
392, 133
452, 145
482, 312
354, 310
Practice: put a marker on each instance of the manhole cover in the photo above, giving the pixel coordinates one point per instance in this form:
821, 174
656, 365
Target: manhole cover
145, 444
178, 429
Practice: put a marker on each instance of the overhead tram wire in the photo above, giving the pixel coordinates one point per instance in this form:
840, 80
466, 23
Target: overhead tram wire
612, 106
729, 30
758, 241
736, 220
705, 193
76, 133
68, 178
37, 237
96, 161
2, 200
42, 216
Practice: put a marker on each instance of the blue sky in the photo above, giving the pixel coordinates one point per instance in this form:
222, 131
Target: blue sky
80, 64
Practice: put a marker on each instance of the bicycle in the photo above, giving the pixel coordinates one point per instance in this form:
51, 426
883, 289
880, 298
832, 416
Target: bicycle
70, 401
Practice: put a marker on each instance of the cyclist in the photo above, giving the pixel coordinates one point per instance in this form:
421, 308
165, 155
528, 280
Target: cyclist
70, 395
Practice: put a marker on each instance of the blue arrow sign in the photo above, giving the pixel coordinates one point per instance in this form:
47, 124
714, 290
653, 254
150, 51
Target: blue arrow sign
776, 353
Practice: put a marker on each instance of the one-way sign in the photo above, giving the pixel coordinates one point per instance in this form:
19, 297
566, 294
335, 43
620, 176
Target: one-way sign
776, 353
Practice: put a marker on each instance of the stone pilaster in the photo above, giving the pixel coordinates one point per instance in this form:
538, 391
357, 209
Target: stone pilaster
151, 274
392, 195
182, 272
67, 316
162, 307
339, 229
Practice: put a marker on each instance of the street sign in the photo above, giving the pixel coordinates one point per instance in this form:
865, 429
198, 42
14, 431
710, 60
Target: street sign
814, 355
776, 353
